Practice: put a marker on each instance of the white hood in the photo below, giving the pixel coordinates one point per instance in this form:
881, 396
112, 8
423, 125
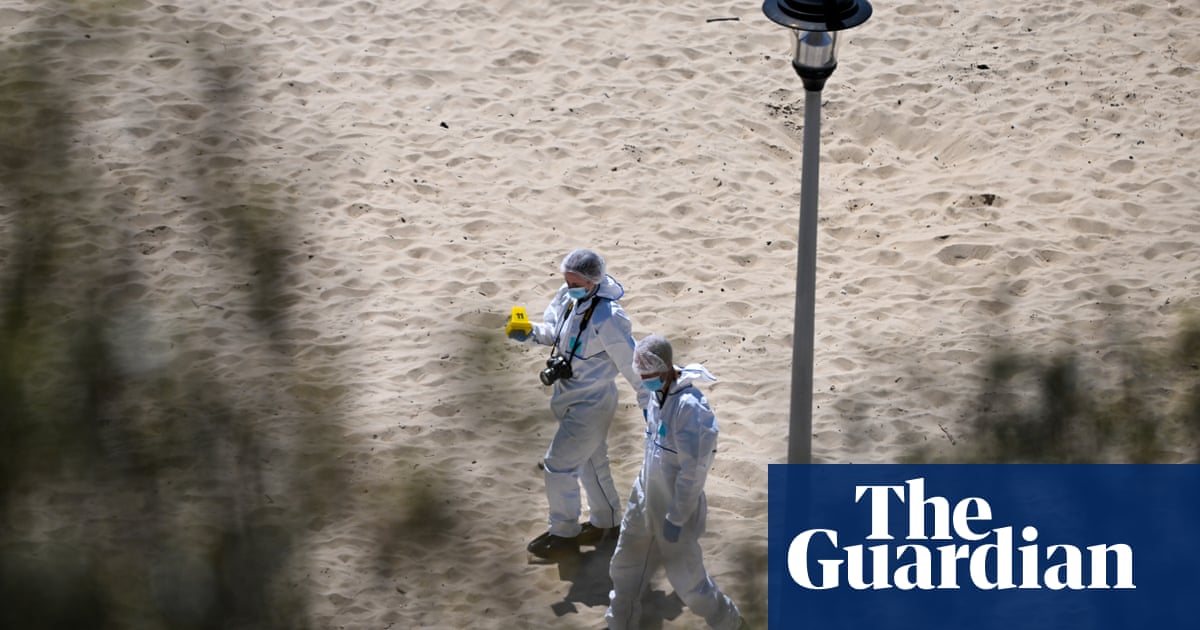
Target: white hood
694, 374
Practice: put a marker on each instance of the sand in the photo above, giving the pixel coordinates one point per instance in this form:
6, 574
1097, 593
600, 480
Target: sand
991, 175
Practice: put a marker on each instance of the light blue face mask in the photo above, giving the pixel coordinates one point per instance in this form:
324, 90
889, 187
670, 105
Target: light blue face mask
652, 384
577, 293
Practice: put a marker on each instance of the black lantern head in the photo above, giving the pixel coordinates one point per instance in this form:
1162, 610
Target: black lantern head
814, 25
818, 15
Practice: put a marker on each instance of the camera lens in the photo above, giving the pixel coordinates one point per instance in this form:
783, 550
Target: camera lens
556, 367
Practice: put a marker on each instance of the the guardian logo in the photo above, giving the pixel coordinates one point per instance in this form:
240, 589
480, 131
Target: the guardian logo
949, 546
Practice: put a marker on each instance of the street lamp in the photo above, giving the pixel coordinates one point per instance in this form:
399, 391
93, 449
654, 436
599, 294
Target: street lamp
814, 25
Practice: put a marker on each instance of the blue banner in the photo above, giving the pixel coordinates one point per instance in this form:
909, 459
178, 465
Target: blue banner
984, 547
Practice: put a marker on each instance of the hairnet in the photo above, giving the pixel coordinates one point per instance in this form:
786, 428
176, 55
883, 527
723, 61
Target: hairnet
586, 263
652, 355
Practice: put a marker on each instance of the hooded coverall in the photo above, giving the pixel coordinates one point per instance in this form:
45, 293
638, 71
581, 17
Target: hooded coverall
681, 441
585, 405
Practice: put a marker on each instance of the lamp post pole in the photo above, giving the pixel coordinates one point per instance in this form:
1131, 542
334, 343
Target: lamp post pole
814, 25
803, 333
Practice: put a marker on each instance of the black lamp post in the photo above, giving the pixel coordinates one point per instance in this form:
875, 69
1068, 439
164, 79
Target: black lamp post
814, 25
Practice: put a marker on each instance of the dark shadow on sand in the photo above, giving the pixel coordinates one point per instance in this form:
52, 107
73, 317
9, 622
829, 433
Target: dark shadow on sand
587, 573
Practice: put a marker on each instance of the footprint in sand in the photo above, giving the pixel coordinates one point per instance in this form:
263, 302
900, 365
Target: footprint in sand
964, 253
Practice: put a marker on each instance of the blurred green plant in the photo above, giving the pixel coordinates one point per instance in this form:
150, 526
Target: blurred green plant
1133, 403
138, 489
749, 588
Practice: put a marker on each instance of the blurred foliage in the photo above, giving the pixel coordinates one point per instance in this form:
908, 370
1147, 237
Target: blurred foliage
749, 588
139, 486
1127, 403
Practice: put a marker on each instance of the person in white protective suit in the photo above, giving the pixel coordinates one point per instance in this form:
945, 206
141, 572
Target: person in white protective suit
591, 335
665, 516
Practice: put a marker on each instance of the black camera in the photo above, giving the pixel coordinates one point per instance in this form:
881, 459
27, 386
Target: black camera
557, 367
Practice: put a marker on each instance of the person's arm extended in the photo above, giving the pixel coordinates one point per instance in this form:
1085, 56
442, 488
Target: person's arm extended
617, 337
543, 332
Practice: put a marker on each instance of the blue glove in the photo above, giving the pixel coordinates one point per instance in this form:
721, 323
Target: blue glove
518, 335
646, 415
671, 531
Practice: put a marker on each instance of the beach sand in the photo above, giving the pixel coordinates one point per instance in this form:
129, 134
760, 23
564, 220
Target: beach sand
991, 176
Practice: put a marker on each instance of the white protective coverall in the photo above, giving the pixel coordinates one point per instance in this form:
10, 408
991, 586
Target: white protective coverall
585, 405
681, 441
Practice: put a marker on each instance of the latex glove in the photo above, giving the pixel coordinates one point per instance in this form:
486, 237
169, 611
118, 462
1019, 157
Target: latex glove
671, 531
518, 335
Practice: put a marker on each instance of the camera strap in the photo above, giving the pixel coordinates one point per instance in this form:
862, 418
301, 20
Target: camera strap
587, 317
558, 332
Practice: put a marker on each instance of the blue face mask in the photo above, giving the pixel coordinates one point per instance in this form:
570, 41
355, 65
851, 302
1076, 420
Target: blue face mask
652, 384
577, 293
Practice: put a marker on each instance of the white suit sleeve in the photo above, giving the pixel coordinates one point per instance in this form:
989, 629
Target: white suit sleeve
697, 443
543, 332
617, 337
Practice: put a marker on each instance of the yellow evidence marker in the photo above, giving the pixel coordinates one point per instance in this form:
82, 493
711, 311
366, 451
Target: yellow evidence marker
518, 321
